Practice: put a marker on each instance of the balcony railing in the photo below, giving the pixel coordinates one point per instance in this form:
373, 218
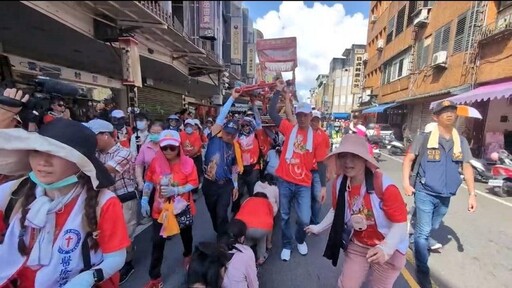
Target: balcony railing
496, 29
158, 9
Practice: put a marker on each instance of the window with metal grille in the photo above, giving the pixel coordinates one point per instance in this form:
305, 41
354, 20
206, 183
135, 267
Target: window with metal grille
410, 10
428, 3
390, 30
442, 39
400, 19
425, 55
463, 37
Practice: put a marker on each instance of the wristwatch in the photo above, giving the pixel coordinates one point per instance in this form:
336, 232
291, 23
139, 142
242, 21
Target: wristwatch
472, 194
98, 276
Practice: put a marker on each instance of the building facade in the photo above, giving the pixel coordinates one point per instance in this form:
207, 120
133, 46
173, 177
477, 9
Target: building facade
422, 51
318, 93
161, 56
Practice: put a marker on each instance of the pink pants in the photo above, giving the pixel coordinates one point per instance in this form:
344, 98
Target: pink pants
356, 267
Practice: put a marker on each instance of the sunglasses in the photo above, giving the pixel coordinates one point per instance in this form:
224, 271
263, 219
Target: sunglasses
171, 148
61, 105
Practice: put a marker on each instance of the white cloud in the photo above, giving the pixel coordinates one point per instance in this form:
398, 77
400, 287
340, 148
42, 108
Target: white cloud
323, 32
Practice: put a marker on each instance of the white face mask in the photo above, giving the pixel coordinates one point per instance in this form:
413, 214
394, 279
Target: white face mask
141, 125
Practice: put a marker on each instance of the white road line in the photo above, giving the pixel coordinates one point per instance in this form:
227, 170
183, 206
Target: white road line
141, 228
477, 191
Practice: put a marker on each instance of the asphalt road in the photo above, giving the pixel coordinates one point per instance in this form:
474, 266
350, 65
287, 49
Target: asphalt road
476, 253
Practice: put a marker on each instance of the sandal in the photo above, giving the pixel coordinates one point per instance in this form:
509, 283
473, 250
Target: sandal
261, 261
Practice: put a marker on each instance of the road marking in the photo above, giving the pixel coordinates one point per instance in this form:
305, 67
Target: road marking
487, 195
410, 280
141, 228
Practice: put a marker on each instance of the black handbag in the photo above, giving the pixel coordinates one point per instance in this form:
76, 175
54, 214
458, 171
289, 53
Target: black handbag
185, 218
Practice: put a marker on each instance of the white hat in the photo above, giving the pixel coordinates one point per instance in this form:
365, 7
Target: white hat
197, 122
317, 113
118, 114
303, 107
98, 126
190, 121
169, 137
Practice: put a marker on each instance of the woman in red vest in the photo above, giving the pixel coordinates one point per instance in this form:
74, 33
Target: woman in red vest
258, 214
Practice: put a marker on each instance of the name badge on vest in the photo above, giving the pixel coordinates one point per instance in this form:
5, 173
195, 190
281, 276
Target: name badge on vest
434, 155
358, 222
457, 156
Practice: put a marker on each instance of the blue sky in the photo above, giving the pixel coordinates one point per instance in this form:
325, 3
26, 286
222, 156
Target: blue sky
324, 29
260, 8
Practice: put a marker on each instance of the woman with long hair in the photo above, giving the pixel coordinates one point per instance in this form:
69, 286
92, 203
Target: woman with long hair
171, 175
64, 228
368, 218
208, 266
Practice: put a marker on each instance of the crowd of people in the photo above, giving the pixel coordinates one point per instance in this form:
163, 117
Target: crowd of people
72, 195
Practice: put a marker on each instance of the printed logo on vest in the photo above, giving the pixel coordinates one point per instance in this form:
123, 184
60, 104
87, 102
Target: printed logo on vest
70, 241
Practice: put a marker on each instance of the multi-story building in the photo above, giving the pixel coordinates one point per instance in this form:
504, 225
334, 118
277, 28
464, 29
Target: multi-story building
339, 87
355, 56
159, 55
423, 51
319, 93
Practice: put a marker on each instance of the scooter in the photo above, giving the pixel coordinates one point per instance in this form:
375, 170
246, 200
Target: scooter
395, 147
376, 152
502, 174
481, 170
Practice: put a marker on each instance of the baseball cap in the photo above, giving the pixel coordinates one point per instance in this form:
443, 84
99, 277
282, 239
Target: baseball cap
118, 114
173, 116
231, 126
443, 104
99, 126
190, 121
317, 113
169, 137
303, 107
197, 122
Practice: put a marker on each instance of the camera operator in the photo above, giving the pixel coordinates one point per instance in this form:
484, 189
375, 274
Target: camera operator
105, 109
57, 109
8, 115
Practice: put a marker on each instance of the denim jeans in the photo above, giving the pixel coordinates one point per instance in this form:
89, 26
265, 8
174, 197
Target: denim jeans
316, 187
430, 211
300, 197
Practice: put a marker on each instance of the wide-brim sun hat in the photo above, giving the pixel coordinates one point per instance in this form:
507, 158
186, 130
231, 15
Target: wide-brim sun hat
169, 137
355, 144
68, 139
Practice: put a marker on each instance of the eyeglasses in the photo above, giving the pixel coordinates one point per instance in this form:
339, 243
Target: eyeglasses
171, 148
61, 105
244, 125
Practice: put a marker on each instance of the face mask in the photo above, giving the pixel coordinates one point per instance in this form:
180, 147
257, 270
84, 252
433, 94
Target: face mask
154, 137
141, 125
59, 184
189, 130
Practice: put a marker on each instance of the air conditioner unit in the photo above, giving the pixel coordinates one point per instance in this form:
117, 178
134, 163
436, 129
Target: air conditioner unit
439, 59
373, 19
365, 57
421, 17
380, 44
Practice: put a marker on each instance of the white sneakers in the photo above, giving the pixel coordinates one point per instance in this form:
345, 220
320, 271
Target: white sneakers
303, 250
285, 254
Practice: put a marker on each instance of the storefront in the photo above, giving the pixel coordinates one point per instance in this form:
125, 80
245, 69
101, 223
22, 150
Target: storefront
494, 131
91, 88
158, 103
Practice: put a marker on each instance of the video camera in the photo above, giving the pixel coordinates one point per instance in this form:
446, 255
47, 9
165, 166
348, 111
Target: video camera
40, 90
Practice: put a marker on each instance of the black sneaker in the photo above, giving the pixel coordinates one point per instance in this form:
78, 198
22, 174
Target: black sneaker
125, 272
423, 279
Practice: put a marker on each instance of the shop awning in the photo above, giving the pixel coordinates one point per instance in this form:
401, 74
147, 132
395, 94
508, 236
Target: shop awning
340, 115
379, 108
492, 91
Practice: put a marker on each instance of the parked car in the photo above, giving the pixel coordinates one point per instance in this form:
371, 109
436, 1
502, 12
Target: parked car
386, 131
